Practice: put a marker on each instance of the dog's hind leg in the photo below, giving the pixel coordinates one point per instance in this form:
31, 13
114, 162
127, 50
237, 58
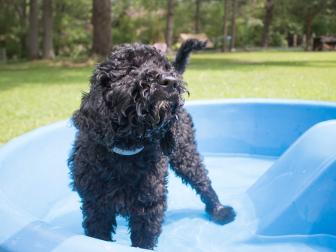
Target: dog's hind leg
186, 162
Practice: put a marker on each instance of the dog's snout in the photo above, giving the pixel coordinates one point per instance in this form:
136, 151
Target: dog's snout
169, 81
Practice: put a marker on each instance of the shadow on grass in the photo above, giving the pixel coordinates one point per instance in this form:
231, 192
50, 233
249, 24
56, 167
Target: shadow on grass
23, 75
232, 64
18, 74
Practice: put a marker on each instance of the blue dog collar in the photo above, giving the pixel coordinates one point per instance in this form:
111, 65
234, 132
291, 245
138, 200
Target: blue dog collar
124, 152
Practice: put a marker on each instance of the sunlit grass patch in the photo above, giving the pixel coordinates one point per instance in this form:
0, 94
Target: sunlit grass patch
33, 94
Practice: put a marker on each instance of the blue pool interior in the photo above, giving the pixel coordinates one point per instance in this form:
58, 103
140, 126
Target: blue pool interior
272, 160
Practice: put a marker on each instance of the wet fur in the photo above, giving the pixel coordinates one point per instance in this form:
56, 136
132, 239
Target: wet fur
135, 100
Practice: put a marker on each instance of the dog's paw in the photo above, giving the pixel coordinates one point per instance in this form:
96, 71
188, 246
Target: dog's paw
222, 214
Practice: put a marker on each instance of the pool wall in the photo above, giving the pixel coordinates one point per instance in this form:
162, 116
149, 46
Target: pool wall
261, 127
255, 126
296, 196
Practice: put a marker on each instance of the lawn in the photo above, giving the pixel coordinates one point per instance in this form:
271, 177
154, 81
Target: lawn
38, 93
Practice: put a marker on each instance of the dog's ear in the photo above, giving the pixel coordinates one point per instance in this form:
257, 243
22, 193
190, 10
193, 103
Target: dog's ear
168, 143
83, 118
101, 75
92, 106
93, 117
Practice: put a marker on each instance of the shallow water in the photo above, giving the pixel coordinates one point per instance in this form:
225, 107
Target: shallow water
186, 226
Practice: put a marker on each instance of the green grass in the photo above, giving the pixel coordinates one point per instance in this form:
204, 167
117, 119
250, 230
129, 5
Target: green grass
297, 75
38, 93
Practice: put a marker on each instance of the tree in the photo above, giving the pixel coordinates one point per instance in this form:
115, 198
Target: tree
225, 28
198, 16
267, 22
306, 12
21, 9
170, 23
233, 24
32, 39
102, 27
48, 20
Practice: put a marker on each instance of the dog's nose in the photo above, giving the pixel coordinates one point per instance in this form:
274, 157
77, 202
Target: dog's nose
168, 81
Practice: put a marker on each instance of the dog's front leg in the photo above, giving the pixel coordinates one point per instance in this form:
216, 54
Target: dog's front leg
145, 225
187, 164
98, 219
97, 222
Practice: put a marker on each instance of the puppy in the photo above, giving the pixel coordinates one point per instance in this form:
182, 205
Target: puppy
131, 126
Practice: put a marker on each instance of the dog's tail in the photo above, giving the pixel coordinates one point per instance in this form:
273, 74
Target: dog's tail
182, 56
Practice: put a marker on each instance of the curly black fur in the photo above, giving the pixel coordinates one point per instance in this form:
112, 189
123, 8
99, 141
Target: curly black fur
135, 100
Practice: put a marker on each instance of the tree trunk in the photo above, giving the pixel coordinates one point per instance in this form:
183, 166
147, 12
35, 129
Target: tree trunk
295, 40
267, 22
22, 13
309, 24
32, 38
233, 25
48, 47
170, 24
102, 27
225, 28
198, 16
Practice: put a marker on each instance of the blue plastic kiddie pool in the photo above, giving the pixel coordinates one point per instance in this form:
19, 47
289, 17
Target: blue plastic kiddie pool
274, 161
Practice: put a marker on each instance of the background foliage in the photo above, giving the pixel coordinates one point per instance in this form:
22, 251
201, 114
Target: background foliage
145, 21
39, 92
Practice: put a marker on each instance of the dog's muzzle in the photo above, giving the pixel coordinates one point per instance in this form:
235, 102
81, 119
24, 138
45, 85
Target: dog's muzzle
163, 128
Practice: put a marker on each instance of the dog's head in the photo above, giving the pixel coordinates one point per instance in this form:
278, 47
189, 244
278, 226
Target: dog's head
134, 98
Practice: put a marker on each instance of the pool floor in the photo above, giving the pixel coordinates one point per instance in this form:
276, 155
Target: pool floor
186, 226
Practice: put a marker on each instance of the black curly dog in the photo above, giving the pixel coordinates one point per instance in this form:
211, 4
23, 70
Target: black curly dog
131, 125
